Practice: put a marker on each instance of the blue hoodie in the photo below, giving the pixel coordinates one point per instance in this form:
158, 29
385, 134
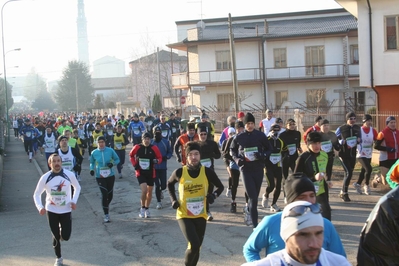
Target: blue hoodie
166, 152
100, 158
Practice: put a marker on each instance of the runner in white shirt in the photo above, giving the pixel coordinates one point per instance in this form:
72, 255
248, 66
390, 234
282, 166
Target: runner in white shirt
266, 123
302, 228
57, 184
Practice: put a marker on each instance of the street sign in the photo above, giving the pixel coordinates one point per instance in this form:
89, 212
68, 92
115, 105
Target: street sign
198, 88
182, 100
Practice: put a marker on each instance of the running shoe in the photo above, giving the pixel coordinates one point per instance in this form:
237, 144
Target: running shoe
147, 213
59, 262
142, 213
366, 189
79, 178
228, 193
265, 201
106, 218
30, 160
161, 194
344, 197
275, 208
159, 206
285, 200
210, 217
233, 208
247, 218
358, 188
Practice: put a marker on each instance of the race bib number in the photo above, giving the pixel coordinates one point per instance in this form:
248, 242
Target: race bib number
206, 162
67, 165
105, 171
144, 163
28, 134
50, 144
250, 153
164, 133
173, 129
149, 123
118, 145
110, 132
351, 141
326, 146
58, 198
15, 124
367, 151
136, 132
195, 206
291, 149
275, 158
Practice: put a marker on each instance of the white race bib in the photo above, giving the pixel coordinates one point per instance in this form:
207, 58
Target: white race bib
118, 145
195, 206
58, 198
275, 158
136, 132
367, 151
144, 163
105, 171
164, 133
291, 149
351, 141
249, 153
110, 132
173, 129
67, 165
28, 134
206, 162
326, 146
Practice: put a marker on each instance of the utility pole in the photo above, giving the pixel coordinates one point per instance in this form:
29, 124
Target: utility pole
159, 78
233, 65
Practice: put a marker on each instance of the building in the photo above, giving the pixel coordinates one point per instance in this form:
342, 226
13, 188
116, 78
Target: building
304, 60
378, 48
108, 67
145, 81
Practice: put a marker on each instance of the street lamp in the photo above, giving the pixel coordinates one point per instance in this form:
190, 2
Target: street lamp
4, 68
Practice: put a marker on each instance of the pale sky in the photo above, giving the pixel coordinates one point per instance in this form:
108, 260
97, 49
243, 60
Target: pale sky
46, 30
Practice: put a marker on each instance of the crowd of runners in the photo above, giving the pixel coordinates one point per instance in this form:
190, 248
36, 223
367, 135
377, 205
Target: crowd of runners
251, 151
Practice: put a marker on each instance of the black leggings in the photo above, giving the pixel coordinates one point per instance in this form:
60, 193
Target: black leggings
28, 144
274, 178
16, 133
366, 170
61, 227
252, 184
348, 163
121, 154
323, 200
107, 191
194, 232
235, 179
160, 182
289, 162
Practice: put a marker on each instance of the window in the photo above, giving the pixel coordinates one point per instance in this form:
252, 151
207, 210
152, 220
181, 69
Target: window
280, 57
225, 102
316, 98
392, 33
354, 54
359, 100
314, 60
223, 60
281, 96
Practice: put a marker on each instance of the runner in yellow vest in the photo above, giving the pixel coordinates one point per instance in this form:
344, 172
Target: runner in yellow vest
194, 193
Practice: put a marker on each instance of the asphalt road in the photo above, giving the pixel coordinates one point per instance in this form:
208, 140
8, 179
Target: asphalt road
25, 237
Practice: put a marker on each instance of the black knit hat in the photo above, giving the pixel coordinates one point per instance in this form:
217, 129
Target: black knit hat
101, 138
349, 115
318, 118
202, 129
313, 137
389, 119
366, 117
296, 184
249, 118
324, 122
239, 124
146, 135
192, 145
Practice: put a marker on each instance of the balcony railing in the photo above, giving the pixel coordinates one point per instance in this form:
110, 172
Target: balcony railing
255, 74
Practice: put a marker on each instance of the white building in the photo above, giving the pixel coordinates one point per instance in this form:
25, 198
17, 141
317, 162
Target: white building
282, 60
108, 67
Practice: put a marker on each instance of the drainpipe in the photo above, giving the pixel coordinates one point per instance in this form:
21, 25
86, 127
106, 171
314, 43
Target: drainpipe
265, 98
372, 64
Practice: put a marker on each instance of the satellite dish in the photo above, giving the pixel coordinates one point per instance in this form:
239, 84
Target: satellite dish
201, 24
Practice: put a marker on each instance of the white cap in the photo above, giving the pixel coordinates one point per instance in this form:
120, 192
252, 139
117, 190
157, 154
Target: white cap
291, 225
231, 130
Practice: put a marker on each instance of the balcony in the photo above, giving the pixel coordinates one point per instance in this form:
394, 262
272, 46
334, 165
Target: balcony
273, 75
334, 71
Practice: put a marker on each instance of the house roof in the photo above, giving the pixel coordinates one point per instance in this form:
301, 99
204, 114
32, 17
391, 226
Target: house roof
282, 28
164, 56
108, 83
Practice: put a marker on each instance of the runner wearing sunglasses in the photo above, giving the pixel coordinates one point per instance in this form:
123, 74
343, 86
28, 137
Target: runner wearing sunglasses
302, 229
267, 234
